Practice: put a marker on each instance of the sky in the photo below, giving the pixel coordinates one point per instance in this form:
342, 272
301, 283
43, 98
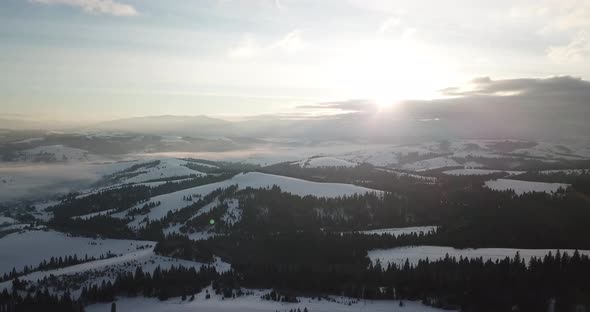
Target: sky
89, 60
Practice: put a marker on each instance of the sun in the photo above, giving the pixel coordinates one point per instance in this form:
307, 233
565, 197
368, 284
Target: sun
385, 102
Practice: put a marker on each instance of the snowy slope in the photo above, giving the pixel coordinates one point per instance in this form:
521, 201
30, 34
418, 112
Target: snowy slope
233, 214
432, 163
128, 262
32, 247
174, 201
168, 168
415, 253
253, 303
522, 187
95, 214
383, 155
298, 186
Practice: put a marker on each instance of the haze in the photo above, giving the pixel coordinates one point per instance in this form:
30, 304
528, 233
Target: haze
69, 62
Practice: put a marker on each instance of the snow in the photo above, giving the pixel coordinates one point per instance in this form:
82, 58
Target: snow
172, 139
7, 220
432, 163
409, 175
31, 140
95, 214
566, 171
383, 155
168, 168
297, 186
401, 231
59, 152
522, 187
462, 172
319, 162
415, 253
233, 214
32, 247
253, 303
472, 164
479, 154
13, 227
207, 208
552, 151
146, 258
533, 152
202, 235
174, 201
104, 269
202, 164
39, 181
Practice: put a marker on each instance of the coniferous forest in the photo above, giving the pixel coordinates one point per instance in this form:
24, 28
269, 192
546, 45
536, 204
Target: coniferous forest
311, 246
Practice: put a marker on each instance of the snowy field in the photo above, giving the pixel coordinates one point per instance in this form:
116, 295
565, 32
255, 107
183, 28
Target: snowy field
432, 163
416, 253
522, 187
253, 303
174, 201
402, 231
462, 172
32, 247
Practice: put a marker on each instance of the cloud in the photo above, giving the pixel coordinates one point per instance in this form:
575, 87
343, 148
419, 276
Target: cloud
569, 18
108, 7
389, 25
577, 50
249, 47
529, 108
561, 86
291, 43
556, 15
36, 181
355, 105
246, 48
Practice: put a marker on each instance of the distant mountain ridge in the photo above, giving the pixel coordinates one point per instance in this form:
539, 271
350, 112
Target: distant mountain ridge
166, 124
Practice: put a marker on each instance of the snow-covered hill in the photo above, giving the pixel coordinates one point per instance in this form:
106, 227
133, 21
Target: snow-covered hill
29, 248
176, 200
56, 153
166, 169
432, 163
